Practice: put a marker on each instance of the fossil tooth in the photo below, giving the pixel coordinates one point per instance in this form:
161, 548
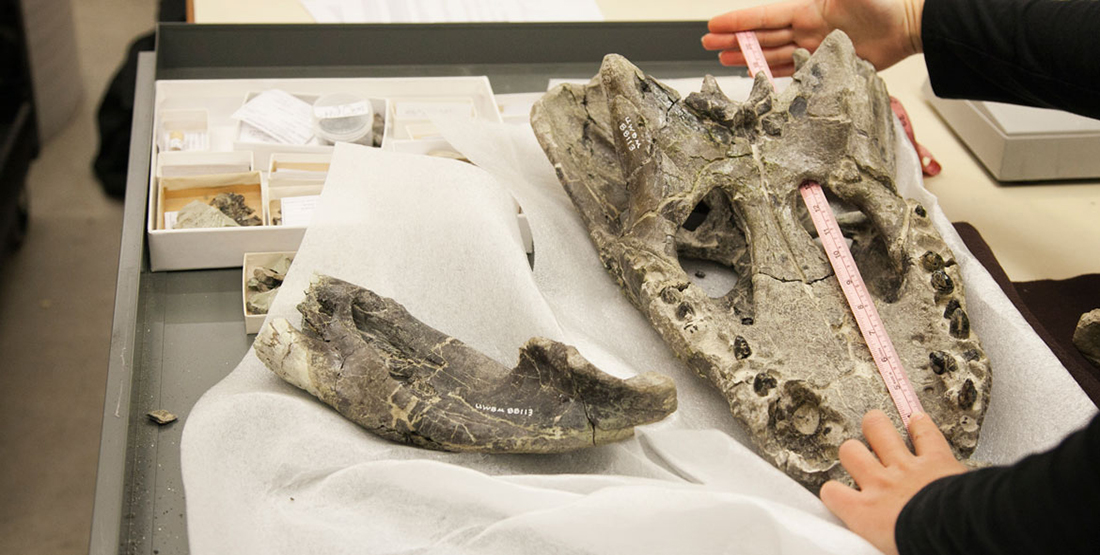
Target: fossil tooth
942, 362
942, 283
951, 307
960, 324
931, 261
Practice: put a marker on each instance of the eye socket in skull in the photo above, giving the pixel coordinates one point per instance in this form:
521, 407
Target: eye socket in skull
712, 250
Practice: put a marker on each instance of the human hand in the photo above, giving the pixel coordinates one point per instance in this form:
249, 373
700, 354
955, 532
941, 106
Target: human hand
884, 32
890, 481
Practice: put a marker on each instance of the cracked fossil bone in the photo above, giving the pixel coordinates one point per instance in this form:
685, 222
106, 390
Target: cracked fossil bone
368, 358
656, 177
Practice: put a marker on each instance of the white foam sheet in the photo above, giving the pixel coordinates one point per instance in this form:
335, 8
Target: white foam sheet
268, 469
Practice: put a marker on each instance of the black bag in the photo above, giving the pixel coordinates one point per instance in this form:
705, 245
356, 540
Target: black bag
114, 118
116, 111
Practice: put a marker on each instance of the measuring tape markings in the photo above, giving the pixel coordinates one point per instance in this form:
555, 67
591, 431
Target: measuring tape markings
844, 266
754, 56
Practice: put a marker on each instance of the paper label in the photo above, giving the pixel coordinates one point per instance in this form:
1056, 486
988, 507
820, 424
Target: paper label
360, 108
250, 134
519, 411
298, 211
630, 136
282, 116
170, 219
185, 140
428, 110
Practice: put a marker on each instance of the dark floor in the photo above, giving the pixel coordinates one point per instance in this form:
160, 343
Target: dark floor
56, 301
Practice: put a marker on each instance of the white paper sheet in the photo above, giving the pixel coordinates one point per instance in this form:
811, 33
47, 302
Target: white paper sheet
280, 115
268, 469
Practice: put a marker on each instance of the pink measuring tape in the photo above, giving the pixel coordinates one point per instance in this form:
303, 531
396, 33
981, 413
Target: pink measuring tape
847, 274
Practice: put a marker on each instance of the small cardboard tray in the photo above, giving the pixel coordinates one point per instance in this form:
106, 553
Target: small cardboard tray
291, 165
263, 151
187, 163
252, 261
187, 249
190, 127
176, 192
279, 190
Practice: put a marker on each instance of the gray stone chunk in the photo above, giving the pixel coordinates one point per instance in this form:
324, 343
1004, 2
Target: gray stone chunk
368, 358
656, 177
260, 302
1087, 336
196, 214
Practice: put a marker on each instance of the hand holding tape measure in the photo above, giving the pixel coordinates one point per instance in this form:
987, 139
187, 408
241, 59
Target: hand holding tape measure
851, 282
884, 32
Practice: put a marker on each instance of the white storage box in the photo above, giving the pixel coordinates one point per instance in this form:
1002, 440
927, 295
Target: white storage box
252, 261
1019, 143
184, 249
279, 178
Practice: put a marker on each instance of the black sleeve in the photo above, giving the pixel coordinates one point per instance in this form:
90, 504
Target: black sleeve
1046, 503
1042, 53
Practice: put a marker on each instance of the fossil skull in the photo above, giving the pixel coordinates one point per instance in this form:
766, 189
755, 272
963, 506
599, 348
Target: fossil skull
656, 178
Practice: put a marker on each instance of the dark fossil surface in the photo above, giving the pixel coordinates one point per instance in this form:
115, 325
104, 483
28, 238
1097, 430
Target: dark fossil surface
233, 205
657, 177
380, 367
1086, 337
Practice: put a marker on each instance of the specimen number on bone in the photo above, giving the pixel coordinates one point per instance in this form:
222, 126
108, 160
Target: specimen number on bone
657, 178
368, 358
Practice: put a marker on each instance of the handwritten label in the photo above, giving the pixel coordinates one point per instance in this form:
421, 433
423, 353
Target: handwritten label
283, 116
630, 135
505, 410
297, 211
360, 108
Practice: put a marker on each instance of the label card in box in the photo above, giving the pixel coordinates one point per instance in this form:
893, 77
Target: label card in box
279, 114
297, 211
360, 108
